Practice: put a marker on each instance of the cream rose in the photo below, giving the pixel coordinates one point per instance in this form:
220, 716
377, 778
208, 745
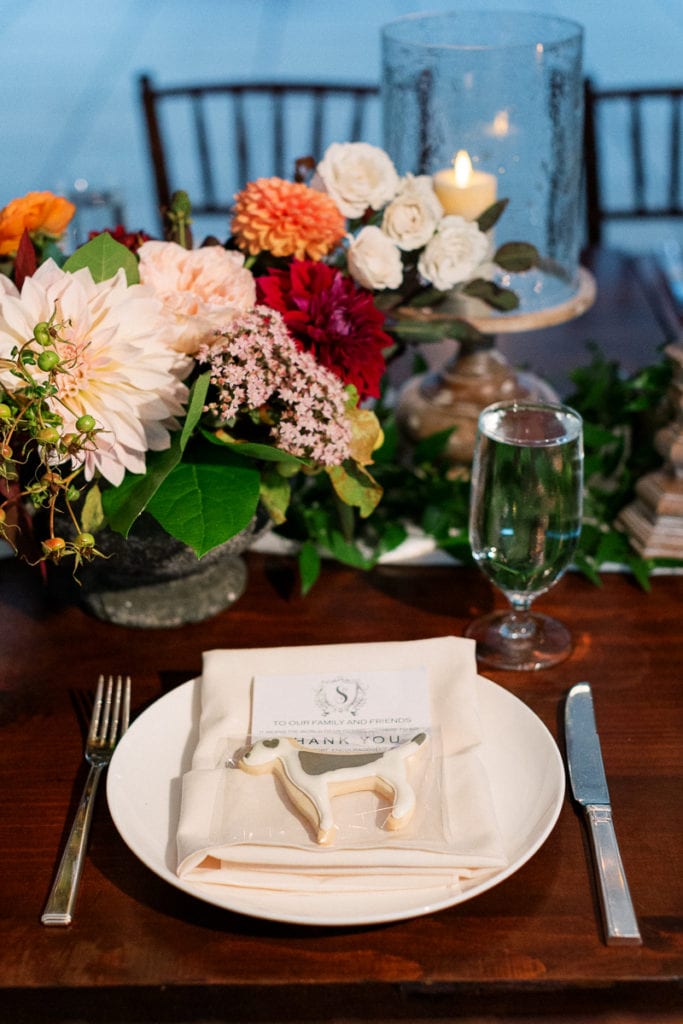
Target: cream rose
357, 176
456, 253
203, 288
411, 218
374, 261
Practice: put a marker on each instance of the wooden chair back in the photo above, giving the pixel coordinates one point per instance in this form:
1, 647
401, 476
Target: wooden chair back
210, 139
644, 125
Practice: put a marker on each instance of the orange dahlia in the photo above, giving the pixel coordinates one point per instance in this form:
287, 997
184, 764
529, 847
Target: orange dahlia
41, 213
286, 219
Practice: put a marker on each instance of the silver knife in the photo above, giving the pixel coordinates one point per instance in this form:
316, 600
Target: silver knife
589, 785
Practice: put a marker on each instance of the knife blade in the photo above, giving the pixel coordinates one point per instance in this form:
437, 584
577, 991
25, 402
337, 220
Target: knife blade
589, 786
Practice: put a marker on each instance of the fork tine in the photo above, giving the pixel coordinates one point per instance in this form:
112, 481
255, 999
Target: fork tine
104, 724
97, 708
116, 710
125, 718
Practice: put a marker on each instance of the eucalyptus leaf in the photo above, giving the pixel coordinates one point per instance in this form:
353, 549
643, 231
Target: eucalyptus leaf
427, 297
516, 256
492, 294
422, 331
492, 215
103, 256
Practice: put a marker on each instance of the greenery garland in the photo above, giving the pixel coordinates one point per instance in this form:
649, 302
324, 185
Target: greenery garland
423, 490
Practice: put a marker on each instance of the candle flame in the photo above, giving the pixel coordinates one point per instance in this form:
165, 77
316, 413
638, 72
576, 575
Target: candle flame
501, 123
462, 168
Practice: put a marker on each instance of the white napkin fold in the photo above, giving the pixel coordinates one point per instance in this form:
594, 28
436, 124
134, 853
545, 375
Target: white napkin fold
238, 829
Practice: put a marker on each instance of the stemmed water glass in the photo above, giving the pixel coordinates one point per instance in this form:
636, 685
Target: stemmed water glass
525, 522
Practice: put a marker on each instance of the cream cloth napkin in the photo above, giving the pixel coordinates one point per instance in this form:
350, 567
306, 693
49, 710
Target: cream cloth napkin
238, 829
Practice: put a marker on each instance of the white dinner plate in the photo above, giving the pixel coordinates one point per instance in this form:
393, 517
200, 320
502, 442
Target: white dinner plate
523, 763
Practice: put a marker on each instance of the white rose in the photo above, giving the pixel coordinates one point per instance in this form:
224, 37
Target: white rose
357, 176
374, 261
455, 254
411, 218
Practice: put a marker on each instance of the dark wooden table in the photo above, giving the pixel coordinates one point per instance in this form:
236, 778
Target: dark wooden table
141, 950
529, 949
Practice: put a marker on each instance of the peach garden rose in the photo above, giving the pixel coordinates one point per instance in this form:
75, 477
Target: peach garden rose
203, 288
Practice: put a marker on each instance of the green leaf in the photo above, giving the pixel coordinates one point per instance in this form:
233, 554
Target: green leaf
347, 552
275, 496
419, 331
205, 504
309, 565
492, 215
427, 297
492, 294
123, 504
355, 486
103, 257
516, 256
430, 449
254, 449
92, 514
195, 407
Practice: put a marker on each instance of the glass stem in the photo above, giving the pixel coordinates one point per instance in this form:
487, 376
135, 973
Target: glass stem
519, 624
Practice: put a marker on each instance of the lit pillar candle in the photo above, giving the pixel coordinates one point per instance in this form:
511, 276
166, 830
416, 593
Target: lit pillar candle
464, 191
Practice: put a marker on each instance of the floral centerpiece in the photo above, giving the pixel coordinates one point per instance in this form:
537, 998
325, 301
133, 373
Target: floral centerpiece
198, 383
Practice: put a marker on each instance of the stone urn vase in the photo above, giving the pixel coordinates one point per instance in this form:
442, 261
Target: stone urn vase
149, 580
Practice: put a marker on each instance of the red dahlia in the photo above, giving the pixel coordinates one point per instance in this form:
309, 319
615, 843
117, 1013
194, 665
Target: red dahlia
331, 317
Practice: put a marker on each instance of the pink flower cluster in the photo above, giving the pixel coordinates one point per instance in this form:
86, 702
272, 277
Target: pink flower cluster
256, 367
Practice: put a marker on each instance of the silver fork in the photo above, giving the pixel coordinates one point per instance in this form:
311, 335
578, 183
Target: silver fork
112, 705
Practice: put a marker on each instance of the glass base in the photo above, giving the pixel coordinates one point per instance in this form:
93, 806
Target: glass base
525, 643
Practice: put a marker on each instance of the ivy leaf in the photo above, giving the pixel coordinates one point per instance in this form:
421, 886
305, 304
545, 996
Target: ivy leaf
492, 294
516, 256
103, 257
309, 565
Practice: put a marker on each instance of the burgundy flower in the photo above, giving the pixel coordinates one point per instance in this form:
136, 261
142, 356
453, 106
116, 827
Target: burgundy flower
331, 317
131, 239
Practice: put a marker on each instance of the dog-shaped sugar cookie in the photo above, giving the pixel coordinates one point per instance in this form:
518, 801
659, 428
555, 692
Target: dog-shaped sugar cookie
311, 778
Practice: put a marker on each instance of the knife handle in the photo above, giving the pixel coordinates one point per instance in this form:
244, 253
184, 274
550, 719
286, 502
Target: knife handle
621, 926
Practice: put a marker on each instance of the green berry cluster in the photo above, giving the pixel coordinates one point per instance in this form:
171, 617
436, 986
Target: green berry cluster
35, 450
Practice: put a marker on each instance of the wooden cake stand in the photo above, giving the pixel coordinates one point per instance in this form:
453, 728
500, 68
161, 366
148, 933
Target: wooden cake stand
478, 374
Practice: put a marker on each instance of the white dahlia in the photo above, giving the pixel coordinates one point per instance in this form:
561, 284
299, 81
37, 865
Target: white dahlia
123, 369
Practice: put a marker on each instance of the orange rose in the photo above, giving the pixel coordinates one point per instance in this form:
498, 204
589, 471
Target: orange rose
36, 212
